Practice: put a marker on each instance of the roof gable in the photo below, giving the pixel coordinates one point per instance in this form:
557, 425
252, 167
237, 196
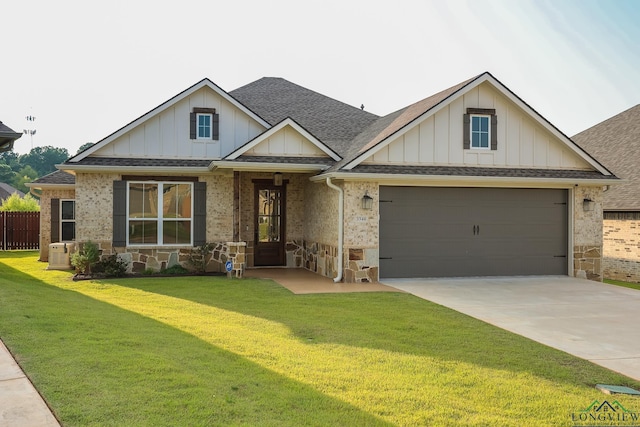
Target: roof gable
153, 119
389, 129
285, 139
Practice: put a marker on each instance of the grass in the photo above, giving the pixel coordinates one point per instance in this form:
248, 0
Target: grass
623, 284
213, 351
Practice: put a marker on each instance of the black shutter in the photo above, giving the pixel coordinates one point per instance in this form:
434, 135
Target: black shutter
55, 220
494, 132
119, 214
215, 131
199, 213
466, 132
192, 126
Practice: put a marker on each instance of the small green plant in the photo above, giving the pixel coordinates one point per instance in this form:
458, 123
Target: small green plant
84, 259
111, 266
148, 272
175, 269
199, 257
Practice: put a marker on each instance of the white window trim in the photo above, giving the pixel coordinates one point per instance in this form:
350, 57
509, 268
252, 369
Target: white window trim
160, 219
488, 117
203, 138
67, 220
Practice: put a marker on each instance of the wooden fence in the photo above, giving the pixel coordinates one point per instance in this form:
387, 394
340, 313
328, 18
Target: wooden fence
19, 230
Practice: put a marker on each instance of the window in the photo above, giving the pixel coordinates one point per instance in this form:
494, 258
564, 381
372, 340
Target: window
480, 131
204, 126
67, 220
159, 213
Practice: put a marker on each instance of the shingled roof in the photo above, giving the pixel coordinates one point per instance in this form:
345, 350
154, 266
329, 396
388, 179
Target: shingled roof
7, 137
333, 122
616, 143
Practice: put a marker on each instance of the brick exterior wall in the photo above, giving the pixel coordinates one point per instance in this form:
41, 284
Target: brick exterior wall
621, 257
587, 239
45, 217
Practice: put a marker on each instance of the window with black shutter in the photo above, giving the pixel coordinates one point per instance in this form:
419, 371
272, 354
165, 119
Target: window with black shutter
480, 129
204, 124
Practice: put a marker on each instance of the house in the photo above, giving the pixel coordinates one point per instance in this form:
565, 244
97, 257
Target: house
470, 181
6, 190
7, 137
616, 142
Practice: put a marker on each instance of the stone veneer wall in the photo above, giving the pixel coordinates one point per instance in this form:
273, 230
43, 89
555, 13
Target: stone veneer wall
587, 241
159, 258
320, 245
361, 233
621, 257
45, 217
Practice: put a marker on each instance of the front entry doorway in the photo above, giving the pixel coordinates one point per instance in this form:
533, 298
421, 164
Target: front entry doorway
270, 221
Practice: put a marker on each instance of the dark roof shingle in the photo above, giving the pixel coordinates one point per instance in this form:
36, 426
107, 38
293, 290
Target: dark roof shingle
332, 122
615, 142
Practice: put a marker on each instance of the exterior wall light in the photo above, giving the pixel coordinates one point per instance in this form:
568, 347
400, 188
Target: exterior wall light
277, 179
588, 204
367, 201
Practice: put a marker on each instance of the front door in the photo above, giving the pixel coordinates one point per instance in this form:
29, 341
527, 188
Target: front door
269, 224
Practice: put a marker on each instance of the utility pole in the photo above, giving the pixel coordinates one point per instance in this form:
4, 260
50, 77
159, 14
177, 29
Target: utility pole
30, 132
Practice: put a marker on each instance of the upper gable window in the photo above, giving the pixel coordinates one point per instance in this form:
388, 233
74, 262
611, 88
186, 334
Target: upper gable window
480, 129
204, 124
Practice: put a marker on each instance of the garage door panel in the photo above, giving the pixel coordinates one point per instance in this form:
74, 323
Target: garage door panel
449, 232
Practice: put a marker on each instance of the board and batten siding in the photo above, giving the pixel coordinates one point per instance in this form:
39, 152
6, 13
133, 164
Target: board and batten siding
438, 139
286, 142
166, 135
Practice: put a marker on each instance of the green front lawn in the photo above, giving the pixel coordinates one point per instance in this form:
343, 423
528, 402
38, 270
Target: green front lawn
203, 351
623, 284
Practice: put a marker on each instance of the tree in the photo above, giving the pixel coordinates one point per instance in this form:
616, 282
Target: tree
6, 173
24, 175
84, 147
44, 159
10, 158
15, 203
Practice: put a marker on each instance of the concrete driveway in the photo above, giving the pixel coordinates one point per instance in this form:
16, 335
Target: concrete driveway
591, 320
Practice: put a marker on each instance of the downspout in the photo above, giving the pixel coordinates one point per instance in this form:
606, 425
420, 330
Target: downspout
340, 227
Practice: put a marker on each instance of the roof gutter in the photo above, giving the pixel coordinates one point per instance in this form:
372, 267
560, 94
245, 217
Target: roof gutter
268, 167
331, 185
456, 180
186, 170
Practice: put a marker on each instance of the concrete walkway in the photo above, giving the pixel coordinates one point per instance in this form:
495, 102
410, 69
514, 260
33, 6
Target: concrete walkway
591, 320
20, 403
301, 281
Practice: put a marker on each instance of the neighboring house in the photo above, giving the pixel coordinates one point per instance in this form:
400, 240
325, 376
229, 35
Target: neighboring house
6, 190
470, 181
7, 137
616, 142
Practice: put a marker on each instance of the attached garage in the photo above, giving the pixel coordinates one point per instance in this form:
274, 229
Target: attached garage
458, 232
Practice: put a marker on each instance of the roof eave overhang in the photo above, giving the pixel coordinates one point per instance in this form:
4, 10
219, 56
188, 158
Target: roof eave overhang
455, 181
50, 186
267, 167
138, 170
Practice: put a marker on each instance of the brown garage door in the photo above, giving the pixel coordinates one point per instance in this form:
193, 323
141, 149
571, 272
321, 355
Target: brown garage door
459, 232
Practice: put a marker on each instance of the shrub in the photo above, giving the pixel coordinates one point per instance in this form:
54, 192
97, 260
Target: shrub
199, 257
111, 266
84, 259
175, 269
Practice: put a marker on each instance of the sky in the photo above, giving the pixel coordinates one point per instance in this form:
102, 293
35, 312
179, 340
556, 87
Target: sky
84, 69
